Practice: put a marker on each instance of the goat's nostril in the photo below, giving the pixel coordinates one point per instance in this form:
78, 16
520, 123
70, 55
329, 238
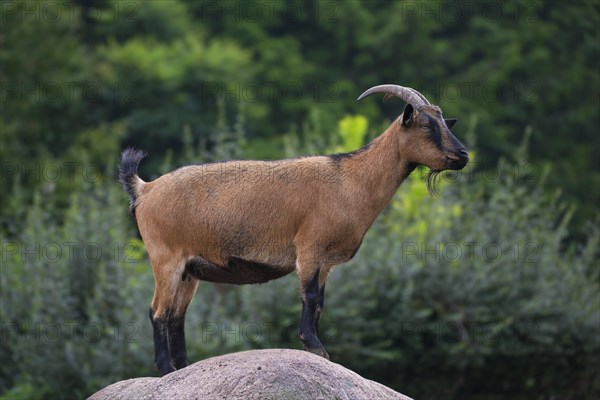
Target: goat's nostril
463, 152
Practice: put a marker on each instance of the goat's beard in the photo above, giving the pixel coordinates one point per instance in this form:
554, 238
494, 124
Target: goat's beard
432, 178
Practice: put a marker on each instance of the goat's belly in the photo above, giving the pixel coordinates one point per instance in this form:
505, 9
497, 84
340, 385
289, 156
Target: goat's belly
235, 271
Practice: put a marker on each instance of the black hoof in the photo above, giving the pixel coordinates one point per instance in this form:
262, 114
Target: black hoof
320, 351
164, 369
180, 364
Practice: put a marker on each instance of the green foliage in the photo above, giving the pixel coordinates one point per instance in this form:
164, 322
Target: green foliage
447, 297
167, 86
69, 297
40, 83
162, 65
161, 20
25, 391
492, 287
352, 130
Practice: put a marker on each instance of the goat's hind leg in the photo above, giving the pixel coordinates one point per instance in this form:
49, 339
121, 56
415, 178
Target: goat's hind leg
176, 325
320, 306
312, 303
172, 294
162, 359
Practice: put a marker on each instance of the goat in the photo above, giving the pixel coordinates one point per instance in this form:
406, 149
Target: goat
242, 222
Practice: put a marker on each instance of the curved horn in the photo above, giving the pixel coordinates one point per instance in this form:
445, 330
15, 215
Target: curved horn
409, 95
421, 96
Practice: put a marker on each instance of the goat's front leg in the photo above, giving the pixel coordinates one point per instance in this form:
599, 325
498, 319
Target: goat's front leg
312, 303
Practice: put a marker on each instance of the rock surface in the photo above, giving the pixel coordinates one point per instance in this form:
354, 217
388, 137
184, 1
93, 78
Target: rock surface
256, 374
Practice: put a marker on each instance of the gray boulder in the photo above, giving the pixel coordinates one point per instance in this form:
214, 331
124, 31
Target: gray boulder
256, 374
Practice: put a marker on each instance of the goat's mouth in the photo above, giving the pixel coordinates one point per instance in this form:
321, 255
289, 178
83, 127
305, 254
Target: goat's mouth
457, 161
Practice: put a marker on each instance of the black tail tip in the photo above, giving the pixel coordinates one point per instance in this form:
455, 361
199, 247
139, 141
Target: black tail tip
132, 154
130, 160
128, 170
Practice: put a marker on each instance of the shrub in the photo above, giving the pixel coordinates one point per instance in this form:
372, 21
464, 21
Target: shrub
467, 295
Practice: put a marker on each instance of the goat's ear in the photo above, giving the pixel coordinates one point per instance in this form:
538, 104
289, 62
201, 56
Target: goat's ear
450, 122
407, 115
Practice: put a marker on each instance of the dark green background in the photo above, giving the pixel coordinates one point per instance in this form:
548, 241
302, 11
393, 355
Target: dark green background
193, 81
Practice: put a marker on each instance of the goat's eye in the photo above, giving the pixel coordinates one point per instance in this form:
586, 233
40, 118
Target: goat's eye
424, 126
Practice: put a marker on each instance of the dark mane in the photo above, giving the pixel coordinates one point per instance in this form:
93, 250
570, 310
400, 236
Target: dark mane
337, 157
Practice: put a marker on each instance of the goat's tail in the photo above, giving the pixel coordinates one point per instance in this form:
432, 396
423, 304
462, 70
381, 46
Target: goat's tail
128, 174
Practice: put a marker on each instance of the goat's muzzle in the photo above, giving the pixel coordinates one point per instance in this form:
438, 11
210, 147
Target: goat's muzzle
457, 159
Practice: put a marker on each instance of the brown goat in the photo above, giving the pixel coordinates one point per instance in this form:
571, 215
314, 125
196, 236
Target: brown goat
244, 222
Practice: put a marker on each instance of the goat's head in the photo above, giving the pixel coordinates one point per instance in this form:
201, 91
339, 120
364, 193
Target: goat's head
424, 135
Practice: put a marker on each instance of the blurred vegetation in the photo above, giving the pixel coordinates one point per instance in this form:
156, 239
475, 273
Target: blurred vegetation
491, 288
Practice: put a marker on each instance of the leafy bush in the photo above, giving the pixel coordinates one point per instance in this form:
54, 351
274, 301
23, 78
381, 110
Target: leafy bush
459, 296
70, 298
